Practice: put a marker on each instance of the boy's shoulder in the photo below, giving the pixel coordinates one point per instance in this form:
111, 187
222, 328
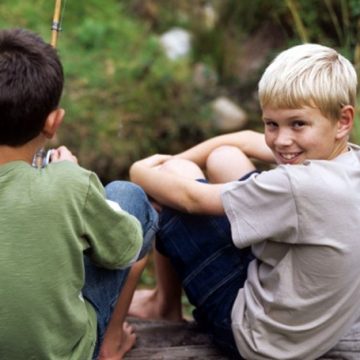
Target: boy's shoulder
62, 183
350, 157
67, 169
67, 174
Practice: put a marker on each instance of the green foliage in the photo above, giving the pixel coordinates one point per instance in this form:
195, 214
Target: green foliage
124, 99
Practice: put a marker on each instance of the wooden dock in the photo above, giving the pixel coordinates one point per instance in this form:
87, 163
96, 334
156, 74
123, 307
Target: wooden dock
162, 340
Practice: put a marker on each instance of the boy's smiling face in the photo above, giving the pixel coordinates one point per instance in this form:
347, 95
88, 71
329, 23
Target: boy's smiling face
296, 135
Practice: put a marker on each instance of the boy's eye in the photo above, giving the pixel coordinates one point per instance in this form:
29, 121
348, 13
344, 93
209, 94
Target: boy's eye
271, 124
298, 124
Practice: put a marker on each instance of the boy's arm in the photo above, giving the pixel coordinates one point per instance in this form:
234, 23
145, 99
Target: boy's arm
251, 143
114, 235
180, 193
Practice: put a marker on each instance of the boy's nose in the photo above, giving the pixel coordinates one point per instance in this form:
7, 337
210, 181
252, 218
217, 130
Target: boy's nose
283, 138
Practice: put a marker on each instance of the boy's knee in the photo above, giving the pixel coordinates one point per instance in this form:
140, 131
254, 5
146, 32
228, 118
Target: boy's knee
223, 152
227, 163
117, 190
121, 185
133, 199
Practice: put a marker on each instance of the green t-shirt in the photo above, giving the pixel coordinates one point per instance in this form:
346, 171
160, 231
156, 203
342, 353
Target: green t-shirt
49, 217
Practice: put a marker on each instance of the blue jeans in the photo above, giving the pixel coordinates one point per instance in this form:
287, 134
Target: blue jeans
210, 267
102, 286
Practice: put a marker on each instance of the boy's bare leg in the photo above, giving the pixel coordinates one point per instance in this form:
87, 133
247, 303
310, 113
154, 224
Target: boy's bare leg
227, 163
164, 301
119, 336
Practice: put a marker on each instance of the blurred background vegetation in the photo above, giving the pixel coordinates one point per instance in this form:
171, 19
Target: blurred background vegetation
125, 98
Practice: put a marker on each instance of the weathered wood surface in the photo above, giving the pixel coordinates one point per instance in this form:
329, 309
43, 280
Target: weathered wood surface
348, 348
161, 340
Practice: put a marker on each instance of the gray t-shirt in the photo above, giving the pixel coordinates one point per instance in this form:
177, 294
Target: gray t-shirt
303, 224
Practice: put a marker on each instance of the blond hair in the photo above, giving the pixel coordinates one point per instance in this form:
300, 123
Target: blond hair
309, 75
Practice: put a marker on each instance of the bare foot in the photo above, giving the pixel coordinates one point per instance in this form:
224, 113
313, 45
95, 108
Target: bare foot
147, 304
117, 349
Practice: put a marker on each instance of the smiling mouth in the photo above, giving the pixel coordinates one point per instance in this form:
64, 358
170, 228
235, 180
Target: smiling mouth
289, 156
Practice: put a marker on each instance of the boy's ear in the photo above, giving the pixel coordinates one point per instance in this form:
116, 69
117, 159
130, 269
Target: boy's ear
53, 122
346, 121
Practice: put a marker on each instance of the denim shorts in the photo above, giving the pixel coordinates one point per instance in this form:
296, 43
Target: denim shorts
102, 286
210, 267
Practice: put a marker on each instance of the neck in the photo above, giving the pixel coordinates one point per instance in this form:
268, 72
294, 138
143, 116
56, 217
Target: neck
340, 148
20, 153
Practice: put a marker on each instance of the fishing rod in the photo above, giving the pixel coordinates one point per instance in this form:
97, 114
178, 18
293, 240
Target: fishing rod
43, 157
56, 23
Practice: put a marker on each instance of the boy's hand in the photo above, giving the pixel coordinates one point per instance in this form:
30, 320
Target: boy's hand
63, 153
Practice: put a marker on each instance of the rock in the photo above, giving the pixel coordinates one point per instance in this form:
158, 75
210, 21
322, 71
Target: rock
228, 116
176, 43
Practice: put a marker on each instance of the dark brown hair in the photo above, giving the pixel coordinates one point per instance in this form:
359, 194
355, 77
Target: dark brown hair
31, 84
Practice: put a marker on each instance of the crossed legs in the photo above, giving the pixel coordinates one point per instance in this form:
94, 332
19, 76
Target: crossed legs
224, 164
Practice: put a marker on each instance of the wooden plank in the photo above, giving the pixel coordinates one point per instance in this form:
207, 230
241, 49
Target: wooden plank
171, 341
188, 352
162, 340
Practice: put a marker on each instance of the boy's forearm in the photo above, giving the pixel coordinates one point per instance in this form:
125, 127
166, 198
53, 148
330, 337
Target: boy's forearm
179, 193
158, 185
150, 179
251, 143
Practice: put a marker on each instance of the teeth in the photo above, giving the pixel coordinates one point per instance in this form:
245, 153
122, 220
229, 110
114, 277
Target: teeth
288, 156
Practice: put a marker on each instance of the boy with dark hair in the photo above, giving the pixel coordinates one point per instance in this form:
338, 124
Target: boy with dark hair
56, 224
277, 277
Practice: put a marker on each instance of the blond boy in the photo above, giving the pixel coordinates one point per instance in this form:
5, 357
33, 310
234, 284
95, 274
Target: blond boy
277, 277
